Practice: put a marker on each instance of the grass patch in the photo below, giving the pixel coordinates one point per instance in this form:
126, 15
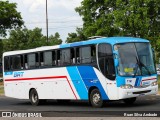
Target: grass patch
1, 90
1, 87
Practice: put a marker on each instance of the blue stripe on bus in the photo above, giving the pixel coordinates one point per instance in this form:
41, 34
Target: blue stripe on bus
88, 75
120, 81
137, 80
76, 44
78, 82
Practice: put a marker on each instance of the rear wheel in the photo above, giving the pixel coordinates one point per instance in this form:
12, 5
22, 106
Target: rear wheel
129, 101
96, 98
33, 96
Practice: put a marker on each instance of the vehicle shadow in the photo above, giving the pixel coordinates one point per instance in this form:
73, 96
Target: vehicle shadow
108, 104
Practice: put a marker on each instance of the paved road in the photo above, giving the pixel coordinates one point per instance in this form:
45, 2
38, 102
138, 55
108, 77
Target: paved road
80, 108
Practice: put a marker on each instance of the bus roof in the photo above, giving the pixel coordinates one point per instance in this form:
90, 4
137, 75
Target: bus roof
111, 40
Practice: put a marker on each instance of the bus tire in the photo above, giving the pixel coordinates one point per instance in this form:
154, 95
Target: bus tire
33, 96
96, 98
129, 101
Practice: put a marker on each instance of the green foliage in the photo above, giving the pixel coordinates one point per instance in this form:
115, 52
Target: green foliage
74, 37
1, 90
55, 40
98, 17
9, 17
138, 18
21, 39
1, 49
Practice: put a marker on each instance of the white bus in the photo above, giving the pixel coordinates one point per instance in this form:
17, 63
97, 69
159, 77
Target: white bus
116, 68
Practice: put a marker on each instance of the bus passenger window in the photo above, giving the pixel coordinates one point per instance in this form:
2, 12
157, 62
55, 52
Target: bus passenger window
16, 60
58, 58
77, 56
85, 54
6, 64
25, 62
37, 60
22, 62
31, 60
41, 59
65, 56
73, 61
54, 58
93, 53
48, 58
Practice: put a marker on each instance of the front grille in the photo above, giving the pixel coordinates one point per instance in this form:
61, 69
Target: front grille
141, 86
140, 92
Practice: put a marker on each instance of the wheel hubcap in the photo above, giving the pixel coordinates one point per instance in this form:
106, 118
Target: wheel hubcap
96, 98
34, 98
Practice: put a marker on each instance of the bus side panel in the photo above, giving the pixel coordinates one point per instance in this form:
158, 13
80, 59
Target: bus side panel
109, 86
78, 82
9, 89
86, 77
53, 83
14, 89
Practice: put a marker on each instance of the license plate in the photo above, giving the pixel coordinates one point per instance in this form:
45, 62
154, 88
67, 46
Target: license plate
145, 83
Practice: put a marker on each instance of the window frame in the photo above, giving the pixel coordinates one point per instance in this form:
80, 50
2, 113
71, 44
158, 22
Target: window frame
57, 57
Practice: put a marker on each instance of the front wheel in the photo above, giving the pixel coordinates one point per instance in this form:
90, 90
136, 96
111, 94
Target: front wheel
33, 96
96, 98
129, 101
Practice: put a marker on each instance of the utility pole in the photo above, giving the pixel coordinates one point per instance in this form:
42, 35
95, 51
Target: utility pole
46, 22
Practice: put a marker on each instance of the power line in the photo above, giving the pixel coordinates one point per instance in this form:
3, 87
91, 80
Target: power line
63, 27
53, 22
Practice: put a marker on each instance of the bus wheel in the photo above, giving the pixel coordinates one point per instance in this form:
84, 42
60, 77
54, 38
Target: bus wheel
96, 99
33, 96
129, 101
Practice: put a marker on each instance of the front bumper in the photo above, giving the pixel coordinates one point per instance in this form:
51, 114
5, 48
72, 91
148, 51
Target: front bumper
135, 92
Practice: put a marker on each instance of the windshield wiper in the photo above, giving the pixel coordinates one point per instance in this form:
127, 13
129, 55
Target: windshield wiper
145, 67
140, 64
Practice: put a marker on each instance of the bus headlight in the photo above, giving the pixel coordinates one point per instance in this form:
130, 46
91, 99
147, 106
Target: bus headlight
154, 83
127, 86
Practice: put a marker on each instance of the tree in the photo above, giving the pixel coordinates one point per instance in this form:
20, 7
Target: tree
138, 18
1, 50
9, 17
21, 39
75, 37
98, 17
55, 40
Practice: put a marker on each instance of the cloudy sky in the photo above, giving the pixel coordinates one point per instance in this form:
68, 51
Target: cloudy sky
62, 17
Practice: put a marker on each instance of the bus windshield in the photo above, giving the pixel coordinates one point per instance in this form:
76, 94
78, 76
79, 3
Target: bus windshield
135, 59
